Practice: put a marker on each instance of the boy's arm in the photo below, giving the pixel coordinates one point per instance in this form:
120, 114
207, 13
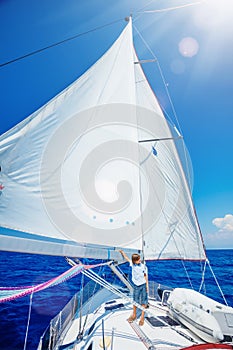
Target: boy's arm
147, 283
146, 278
125, 256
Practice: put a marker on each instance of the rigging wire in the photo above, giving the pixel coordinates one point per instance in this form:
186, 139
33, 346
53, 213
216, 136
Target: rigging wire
126, 276
187, 274
111, 23
203, 277
140, 205
59, 43
170, 101
172, 8
172, 230
101, 269
81, 306
161, 73
140, 11
162, 76
92, 275
179, 131
29, 317
172, 106
216, 281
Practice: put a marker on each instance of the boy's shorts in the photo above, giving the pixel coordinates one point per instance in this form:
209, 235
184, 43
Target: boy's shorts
140, 294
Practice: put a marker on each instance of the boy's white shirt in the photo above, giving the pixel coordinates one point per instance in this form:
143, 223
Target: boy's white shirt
138, 273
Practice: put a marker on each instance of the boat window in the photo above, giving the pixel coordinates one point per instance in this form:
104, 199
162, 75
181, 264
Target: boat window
229, 319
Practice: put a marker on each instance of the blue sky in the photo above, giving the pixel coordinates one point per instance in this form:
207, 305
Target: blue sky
194, 47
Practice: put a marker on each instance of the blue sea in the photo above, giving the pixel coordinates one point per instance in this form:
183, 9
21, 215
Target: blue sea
24, 269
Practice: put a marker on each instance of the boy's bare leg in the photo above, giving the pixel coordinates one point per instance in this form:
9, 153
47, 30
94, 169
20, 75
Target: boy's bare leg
133, 316
141, 322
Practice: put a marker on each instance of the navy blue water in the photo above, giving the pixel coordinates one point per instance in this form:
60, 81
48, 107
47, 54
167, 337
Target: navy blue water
24, 269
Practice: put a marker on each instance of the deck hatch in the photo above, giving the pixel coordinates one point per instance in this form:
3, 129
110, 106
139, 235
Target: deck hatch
155, 322
114, 307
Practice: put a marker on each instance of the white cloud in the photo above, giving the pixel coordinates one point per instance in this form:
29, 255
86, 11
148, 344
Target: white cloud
223, 237
224, 224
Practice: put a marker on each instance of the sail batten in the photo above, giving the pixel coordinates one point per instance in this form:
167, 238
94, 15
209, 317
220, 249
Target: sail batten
75, 171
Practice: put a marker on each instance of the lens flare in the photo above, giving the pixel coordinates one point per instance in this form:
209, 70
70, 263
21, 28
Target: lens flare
188, 47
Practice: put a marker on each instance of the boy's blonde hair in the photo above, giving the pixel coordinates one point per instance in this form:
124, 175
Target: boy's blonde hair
135, 257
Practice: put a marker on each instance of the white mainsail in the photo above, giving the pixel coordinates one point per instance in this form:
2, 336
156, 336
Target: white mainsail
77, 181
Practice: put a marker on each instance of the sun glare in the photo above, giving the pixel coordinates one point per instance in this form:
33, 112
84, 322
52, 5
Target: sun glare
214, 14
213, 18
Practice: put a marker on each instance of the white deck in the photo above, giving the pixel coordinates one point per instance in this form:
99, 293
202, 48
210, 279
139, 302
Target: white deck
120, 334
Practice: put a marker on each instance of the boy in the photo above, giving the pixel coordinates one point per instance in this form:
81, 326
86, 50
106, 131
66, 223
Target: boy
140, 281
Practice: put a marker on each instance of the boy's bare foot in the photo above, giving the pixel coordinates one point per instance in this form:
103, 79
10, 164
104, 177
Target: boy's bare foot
131, 319
141, 322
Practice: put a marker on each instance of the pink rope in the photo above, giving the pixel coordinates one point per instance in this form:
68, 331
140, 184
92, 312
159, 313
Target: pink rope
25, 290
14, 288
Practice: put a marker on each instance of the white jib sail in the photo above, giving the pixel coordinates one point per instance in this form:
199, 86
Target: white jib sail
77, 182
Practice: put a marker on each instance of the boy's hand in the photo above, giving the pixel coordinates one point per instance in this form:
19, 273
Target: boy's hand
121, 251
124, 255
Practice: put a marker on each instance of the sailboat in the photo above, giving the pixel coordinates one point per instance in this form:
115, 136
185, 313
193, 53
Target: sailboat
96, 170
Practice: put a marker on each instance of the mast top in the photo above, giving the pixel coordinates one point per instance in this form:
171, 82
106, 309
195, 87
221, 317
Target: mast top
129, 18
